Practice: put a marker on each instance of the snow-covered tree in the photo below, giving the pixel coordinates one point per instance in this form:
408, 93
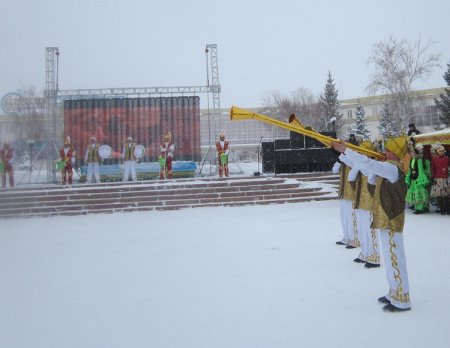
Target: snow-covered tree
329, 102
444, 104
386, 124
359, 128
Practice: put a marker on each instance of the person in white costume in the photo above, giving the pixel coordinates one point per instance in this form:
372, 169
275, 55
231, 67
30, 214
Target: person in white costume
388, 217
129, 160
92, 159
364, 184
346, 194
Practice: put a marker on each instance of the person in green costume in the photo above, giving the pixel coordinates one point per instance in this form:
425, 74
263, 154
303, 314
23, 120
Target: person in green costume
418, 181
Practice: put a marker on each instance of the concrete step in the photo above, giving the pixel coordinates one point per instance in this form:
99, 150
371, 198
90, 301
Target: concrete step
53, 200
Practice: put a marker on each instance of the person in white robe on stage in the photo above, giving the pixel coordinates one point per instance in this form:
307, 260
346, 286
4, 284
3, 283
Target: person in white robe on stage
129, 160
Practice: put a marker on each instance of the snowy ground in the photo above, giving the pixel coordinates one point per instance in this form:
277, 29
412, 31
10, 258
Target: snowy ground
260, 276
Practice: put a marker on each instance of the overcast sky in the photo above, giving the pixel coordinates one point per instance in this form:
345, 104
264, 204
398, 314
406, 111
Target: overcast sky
263, 45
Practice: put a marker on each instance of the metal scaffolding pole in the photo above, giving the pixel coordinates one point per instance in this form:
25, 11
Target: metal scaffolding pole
50, 95
214, 126
215, 88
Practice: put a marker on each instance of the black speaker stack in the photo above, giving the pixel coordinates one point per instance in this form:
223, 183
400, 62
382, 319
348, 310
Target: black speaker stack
299, 154
268, 163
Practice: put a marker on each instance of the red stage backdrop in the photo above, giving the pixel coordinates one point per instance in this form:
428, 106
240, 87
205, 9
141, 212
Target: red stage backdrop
111, 121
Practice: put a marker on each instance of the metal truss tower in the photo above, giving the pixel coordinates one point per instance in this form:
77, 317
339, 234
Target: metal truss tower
50, 95
214, 86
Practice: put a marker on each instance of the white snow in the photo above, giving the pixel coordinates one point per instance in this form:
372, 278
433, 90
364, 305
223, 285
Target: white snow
259, 276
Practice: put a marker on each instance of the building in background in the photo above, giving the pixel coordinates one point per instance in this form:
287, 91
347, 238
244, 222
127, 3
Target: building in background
425, 112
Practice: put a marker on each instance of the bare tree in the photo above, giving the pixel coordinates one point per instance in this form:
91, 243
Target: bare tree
302, 103
31, 116
398, 64
308, 107
278, 106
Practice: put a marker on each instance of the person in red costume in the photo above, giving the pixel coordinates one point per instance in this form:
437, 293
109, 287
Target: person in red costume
223, 150
441, 187
167, 148
67, 154
7, 155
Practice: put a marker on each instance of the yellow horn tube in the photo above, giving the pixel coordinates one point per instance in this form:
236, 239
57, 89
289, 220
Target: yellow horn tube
293, 120
239, 114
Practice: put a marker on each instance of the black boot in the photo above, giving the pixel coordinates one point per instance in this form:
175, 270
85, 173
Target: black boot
446, 205
371, 265
391, 308
384, 300
439, 205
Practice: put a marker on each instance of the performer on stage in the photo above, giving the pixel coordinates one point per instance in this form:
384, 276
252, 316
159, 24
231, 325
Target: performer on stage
418, 180
67, 154
92, 159
388, 217
167, 149
7, 155
129, 160
223, 150
441, 185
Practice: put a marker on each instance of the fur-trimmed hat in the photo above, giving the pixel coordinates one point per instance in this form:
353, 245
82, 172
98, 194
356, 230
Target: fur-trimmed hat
419, 148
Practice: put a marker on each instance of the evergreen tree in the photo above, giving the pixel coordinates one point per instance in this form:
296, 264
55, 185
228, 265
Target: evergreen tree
329, 102
386, 124
360, 127
444, 104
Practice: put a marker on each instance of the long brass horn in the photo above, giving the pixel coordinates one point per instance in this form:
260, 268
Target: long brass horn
238, 114
293, 120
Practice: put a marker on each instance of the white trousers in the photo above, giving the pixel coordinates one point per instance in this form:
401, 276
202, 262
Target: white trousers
348, 222
93, 169
396, 270
129, 167
368, 237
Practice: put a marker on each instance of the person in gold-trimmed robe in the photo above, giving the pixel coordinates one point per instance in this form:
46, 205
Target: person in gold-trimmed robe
364, 184
92, 158
350, 215
389, 217
345, 196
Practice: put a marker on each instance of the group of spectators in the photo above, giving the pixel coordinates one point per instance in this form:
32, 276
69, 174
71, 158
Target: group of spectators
427, 178
426, 174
